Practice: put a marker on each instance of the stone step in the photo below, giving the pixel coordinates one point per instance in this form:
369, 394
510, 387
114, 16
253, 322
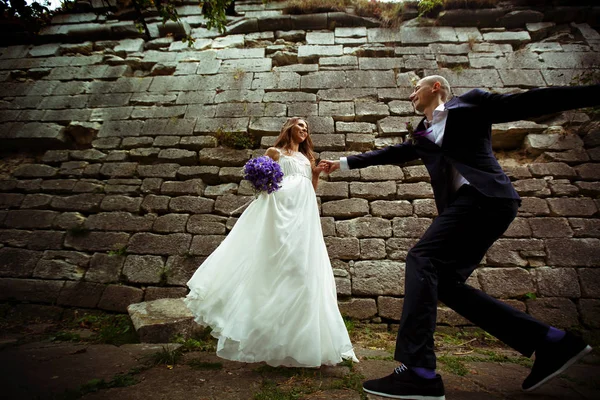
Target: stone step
160, 321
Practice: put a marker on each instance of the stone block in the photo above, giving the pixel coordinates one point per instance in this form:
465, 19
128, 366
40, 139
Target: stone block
69, 265
159, 321
150, 243
170, 223
117, 128
373, 191
358, 308
557, 282
155, 293
531, 206
590, 312
18, 263
153, 203
144, 269
390, 307
232, 205
30, 219
119, 221
80, 294
550, 227
557, 312
532, 187
121, 203
119, 297
343, 248
514, 252
372, 249
167, 171
506, 282
389, 209
204, 245
30, 290
572, 207
364, 227
224, 157
28, 171
206, 224
332, 190
104, 268
573, 252
360, 142
346, 208
380, 277
98, 241
410, 226
556, 170
583, 227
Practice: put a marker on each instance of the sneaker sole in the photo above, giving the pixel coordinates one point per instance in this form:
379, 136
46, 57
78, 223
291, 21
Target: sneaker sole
405, 396
562, 369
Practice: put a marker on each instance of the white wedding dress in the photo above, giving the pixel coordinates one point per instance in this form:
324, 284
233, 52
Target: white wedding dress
268, 290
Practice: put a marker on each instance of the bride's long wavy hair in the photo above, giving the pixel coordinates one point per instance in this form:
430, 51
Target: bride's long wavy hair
284, 140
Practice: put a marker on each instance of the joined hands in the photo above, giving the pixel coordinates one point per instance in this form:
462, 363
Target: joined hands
328, 166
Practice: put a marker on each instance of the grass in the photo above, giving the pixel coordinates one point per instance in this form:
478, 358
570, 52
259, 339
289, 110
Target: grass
165, 356
115, 329
201, 340
96, 385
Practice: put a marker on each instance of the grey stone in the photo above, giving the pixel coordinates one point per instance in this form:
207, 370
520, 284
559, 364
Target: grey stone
372, 249
573, 252
343, 248
167, 171
505, 282
143, 269
80, 294
104, 268
572, 207
149, 243
381, 277
358, 308
30, 290
558, 312
98, 241
204, 245
86, 202
206, 224
364, 227
119, 221
531, 206
18, 263
550, 227
223, 157
191, 204
158, 321
118, 297
332, 190
34, 171
30, 219
514, 252
373, 191
557, 282
409, 191
62, 265
583, 227
346, 208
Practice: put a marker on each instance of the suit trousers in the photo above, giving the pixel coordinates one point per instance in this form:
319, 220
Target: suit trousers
437, 268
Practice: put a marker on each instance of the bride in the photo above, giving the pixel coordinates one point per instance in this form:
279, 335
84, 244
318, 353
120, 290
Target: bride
268, 290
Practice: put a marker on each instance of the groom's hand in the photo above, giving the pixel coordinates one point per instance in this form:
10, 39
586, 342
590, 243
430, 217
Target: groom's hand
330, 166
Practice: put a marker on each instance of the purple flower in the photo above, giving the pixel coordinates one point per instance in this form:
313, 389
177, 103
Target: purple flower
263, 173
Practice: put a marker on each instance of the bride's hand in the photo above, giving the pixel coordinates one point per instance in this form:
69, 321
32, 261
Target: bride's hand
323, 167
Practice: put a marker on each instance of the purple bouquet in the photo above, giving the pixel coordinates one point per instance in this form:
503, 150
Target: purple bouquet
263, 173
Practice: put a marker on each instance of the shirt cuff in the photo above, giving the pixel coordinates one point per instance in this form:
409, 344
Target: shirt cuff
344, 164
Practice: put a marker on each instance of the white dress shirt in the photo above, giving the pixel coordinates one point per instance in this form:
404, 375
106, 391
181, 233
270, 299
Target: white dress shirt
436, 130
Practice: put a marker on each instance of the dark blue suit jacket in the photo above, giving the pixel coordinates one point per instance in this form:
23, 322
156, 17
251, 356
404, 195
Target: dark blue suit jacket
467, 141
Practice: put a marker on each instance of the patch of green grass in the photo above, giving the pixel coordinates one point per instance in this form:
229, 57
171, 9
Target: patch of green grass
165, 356
96, 385
203, 365
115, 329
62, 336
121, 251
271, 391
200, 341
235, 140
454, 365
350, 324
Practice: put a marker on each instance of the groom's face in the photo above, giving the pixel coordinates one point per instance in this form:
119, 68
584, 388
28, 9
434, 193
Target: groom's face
422, 96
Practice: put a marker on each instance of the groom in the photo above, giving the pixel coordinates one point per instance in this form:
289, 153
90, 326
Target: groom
476, 203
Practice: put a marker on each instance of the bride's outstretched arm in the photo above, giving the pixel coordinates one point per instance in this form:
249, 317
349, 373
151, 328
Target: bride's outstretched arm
316, 171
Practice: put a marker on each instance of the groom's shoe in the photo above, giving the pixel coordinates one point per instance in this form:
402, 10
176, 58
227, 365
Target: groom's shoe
552, 359
405, 384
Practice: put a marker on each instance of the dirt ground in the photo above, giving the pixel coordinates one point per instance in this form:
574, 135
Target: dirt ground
96, 357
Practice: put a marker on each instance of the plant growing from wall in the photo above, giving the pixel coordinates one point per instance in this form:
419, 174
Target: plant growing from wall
235, 140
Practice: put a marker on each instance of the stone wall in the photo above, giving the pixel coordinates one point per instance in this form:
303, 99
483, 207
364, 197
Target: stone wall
114, 190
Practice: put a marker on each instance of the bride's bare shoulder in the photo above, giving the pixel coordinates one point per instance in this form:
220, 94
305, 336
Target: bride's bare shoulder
273, 152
